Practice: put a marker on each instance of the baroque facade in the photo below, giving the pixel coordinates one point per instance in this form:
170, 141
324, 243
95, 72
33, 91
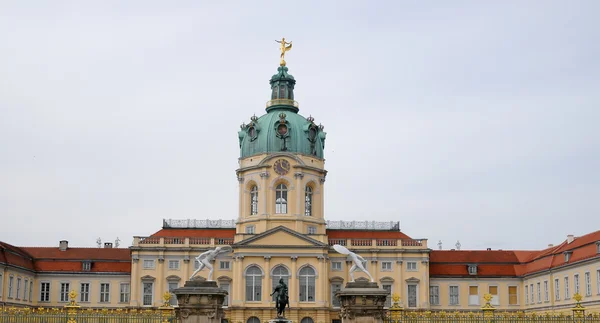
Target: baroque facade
281, 232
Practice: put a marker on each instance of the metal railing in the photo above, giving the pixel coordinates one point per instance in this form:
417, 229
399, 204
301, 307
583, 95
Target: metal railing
363, 225
273, 102
198, 224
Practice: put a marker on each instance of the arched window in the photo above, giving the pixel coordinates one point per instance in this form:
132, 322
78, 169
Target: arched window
253, 319
308, 197
253, 284
254, 200
307, 284
307, 320
278, 273
281, 199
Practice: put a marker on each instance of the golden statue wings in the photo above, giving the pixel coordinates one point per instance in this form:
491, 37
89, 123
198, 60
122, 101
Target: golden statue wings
283, 49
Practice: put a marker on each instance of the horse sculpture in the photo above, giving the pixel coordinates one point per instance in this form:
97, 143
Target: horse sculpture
282, 298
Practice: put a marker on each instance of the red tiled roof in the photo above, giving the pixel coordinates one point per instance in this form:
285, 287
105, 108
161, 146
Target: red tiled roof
76, 266
43, 259
79, 253
365, 234
512, 262
461, 270
15, 256
473, 256
196, 233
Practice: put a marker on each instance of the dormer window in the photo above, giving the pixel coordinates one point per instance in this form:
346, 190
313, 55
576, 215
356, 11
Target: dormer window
472, 269
568, 255
87, 265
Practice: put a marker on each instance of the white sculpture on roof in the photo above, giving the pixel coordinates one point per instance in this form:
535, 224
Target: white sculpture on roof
359, 262
206, 257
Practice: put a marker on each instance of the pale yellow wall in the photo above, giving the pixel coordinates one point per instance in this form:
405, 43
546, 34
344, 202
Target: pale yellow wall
74, 284
16, 273
592, 301
483, 287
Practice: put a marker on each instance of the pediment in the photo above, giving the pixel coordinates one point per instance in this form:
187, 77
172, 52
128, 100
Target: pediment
412, 280
280, 237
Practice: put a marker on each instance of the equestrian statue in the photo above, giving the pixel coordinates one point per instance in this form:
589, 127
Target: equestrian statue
282, 298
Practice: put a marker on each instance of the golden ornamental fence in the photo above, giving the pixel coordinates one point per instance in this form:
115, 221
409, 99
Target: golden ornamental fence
73, 313
488, 314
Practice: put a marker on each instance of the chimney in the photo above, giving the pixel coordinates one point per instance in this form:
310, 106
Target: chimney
570, 238
550, 245
108, 245
63, 245
489, 249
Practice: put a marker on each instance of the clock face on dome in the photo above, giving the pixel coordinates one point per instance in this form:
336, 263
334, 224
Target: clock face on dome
281, 166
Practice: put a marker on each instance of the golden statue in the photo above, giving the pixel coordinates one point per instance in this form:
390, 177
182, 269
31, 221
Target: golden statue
283, 49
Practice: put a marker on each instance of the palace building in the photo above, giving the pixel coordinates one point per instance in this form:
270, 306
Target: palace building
281, 232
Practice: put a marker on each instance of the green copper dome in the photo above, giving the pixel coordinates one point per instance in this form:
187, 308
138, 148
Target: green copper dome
282, 128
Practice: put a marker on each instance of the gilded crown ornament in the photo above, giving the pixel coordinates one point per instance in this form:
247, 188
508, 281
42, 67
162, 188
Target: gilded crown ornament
283, 48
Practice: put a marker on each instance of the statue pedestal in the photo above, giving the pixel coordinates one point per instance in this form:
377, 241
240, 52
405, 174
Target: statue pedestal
200, 302
280, 320
362, 302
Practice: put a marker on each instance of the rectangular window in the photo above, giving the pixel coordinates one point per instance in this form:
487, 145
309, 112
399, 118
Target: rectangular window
10, 286
104, 293
64, 292
473, 295
598, 281
411, 266
18, 287
224, 265
532, 293
386, 266
254, 288
174, 264
557, 289
173, 300
576, 283
539, 292
307, 289
567, 296
335, 302
336, 265
148, 264
434, 295
124, 291
30, 289
250, 229
388, 298
84, 292
87, 265
147, 294
526, 294
453, 295
588, 284
546, 294
513, 296
472, 269
312, 229
227, 288
493, 290
44, 292
25, 284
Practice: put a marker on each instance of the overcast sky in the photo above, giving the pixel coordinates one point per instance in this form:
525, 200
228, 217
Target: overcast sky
464, 120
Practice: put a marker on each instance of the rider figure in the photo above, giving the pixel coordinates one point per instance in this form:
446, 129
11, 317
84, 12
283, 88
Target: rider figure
282, 294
